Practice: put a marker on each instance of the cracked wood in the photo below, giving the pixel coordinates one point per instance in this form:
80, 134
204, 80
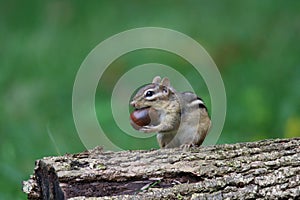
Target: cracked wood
257, 170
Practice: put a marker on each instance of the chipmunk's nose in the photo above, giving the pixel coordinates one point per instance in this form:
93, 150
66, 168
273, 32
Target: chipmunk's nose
133, 103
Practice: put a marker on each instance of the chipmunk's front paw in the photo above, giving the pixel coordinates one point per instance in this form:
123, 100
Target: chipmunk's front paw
147, 129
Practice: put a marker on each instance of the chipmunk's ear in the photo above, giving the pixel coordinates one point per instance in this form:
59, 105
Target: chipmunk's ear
165, 82
156, 80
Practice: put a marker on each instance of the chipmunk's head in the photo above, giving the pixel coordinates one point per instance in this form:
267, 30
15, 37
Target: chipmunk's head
148, 101
153, 95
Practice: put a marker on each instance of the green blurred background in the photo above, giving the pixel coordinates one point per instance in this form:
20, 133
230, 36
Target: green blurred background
255, 44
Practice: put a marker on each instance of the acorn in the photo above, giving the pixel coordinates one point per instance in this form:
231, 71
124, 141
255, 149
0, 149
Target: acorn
140, 118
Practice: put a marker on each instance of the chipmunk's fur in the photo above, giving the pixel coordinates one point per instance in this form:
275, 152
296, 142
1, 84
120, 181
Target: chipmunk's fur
179, 118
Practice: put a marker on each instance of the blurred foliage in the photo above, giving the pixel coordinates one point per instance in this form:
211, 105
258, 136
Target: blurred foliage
255, 44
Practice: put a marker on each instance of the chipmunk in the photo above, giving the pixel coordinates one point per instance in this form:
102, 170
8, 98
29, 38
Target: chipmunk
180, 119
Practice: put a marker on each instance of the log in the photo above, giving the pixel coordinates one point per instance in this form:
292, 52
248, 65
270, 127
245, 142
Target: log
255, 170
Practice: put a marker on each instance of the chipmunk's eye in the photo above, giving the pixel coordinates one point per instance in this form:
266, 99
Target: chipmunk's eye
149, 93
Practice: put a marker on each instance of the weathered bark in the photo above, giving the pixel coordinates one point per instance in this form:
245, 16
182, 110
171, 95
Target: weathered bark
265, 169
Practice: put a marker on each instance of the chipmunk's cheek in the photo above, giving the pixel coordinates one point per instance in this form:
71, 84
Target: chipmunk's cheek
140, 118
